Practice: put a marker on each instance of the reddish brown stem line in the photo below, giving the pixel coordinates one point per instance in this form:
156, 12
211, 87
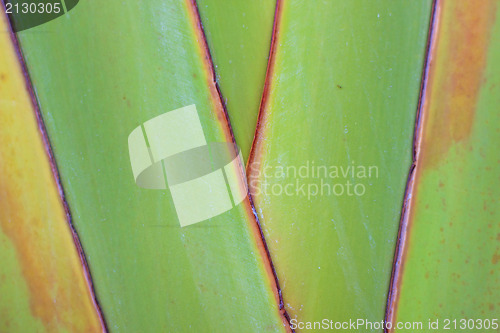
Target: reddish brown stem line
209, 62
267, 83
56, 175
208, 57
404, 228
265, 93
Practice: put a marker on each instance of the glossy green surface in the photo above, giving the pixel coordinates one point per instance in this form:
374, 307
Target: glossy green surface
239, 35
344, 93
452, 265
99, 72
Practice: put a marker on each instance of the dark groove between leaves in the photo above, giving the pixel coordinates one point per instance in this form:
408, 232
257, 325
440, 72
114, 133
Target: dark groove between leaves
403, 233
55, 173
228, 122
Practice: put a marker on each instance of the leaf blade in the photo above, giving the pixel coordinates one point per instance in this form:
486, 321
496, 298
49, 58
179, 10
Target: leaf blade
142, 262
44, 285
346, 79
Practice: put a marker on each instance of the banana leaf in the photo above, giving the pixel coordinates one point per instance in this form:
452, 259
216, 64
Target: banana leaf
99, 72
448, 261
332, 152
43, 284
239, 36
367, 128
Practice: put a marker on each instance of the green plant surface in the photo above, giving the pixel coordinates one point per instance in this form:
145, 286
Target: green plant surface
98, 73
239, 35
450, 263
343, 91
43, 287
